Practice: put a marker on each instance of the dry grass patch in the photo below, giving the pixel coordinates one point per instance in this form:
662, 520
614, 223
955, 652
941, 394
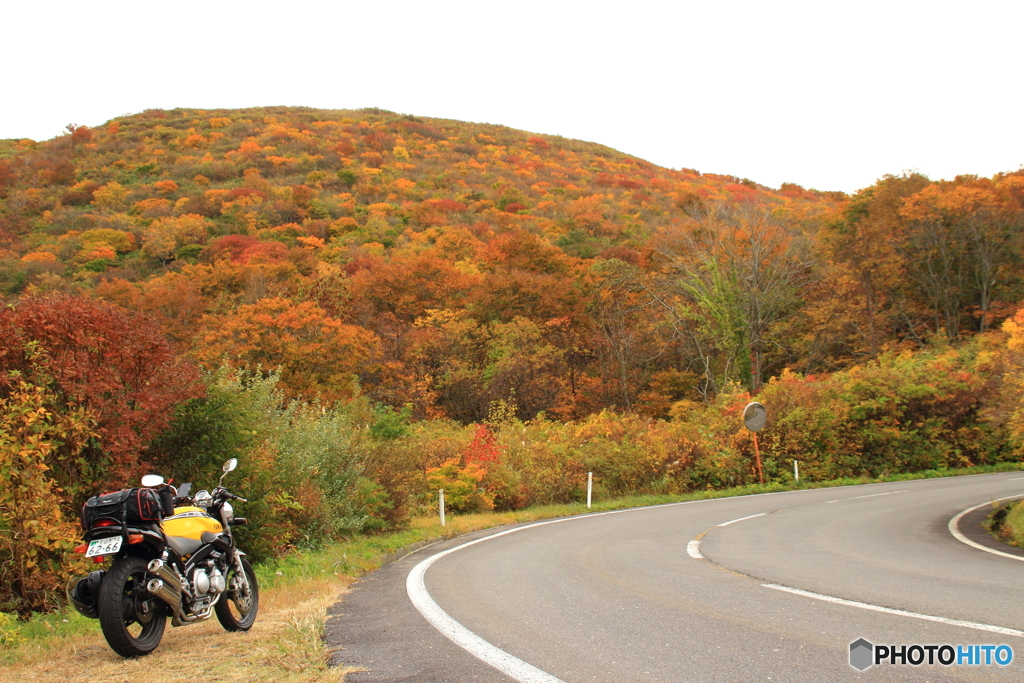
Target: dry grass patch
284, 645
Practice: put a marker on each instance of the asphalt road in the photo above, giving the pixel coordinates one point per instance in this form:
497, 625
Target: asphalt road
618, 597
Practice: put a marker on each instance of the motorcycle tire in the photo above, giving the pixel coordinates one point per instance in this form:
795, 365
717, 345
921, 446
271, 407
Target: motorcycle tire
132, 619
236, 612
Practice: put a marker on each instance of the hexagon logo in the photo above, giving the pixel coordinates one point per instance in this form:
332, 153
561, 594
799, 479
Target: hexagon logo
861, 654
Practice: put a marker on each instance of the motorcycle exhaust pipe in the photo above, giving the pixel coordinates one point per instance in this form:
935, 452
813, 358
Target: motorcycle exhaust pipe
165, 593
173, 599
167, 587
159, 569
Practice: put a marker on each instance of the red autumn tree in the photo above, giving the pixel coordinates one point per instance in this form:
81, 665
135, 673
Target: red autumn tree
96, 357
484, 449
80, 135
231, 247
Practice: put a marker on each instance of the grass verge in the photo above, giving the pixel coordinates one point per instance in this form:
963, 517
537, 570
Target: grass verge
285, 644
1006, 523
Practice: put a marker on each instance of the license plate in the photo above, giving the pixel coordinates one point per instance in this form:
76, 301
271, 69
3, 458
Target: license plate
104, 546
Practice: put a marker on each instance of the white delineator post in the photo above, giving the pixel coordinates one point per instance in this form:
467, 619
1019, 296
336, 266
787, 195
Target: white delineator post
796, 471
590, 488
440, 504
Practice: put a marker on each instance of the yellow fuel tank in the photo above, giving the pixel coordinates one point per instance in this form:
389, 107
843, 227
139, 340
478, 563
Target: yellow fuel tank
190, 522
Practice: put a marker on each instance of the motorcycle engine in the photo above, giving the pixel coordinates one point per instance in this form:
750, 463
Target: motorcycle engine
204, 583
217, 582
201, 582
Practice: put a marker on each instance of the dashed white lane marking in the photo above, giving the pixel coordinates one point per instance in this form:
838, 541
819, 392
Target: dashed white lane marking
899, 612
760, 514
693, 547
1015, 479
508, 664
498, 658
873, 495
954, 528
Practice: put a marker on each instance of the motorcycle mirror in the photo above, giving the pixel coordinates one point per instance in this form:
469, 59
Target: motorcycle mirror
152, 480
228, 466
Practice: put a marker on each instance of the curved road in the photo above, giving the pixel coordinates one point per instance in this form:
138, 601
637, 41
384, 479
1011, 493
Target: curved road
692, 591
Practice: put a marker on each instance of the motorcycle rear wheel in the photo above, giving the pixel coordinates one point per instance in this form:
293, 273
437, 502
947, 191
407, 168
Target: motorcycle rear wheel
132, 619
236, 611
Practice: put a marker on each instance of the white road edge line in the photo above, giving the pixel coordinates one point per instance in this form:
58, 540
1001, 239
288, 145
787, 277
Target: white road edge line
954, 528
470, 642
508, 664
898, 612
496, 657
760, 514
887, 493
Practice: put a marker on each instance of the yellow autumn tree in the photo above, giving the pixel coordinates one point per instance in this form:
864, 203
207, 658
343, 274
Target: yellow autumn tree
36, 537
1012, 389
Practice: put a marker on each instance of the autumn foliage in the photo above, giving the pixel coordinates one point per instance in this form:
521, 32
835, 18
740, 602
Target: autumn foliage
316, 355
36, 534
85, 386
105, 361
384, 305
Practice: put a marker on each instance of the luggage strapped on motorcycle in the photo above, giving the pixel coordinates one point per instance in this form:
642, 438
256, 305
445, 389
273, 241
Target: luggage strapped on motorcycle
127, 506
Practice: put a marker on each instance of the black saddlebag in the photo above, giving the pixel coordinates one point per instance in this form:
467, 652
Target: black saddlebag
127, 506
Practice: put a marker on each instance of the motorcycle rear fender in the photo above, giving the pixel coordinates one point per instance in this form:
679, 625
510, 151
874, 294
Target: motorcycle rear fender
151, 536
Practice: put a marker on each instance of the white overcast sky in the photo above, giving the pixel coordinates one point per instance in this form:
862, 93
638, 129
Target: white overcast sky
830, 95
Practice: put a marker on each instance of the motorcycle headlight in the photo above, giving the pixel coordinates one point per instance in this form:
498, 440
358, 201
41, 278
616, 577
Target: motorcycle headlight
227, 513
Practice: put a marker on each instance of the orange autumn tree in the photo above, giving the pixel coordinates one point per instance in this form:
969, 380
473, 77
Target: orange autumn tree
174, 300
316, 354
865, 288
737, 272
1009, 409
962, 244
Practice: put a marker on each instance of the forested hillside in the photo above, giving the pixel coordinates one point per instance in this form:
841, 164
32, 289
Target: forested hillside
369, 306
436, 263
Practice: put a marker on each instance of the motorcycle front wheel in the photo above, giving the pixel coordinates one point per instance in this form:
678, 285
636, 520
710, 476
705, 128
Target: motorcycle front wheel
132, 619
236, 609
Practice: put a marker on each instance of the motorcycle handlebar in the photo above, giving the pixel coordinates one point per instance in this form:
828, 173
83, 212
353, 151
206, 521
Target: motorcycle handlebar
228, 494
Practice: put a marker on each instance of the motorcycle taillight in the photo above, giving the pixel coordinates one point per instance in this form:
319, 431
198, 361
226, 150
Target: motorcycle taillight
105, 522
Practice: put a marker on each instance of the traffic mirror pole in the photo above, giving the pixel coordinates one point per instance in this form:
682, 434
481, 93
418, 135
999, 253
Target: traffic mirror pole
757, 454
754, 419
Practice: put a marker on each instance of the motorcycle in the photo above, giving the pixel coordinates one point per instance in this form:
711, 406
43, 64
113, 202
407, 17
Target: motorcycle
173, 555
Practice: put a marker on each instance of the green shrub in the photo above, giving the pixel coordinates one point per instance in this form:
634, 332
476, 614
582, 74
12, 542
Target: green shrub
904, 412
189, 252
98, 265
298, 463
